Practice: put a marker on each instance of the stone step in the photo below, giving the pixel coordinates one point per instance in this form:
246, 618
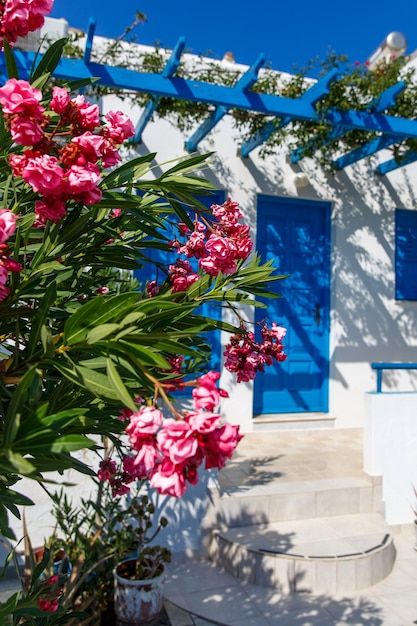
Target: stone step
292, 421
322, 555
295, 500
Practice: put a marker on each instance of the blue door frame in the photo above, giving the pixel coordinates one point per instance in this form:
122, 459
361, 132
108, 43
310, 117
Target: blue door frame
295, 233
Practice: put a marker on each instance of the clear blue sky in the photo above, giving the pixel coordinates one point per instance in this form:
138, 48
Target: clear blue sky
288, 32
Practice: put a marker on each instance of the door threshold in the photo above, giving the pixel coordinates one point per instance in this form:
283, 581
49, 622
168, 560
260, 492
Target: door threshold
288, 421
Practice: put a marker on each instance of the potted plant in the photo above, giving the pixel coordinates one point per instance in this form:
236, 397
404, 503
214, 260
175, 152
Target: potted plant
139, 579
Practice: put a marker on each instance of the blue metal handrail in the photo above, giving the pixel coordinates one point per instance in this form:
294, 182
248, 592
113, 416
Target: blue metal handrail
380, 367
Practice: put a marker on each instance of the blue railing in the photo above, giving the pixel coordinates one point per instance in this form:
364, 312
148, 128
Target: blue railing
380, 367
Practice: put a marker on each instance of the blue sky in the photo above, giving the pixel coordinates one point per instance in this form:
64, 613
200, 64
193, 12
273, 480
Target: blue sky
289, 33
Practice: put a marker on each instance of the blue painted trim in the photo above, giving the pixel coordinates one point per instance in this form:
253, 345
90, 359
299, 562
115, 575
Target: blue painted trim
327, 209
312, 96
380, 367
393, 164
151, 106
388, 97
244, 83
91, 29
373, 146
405, 260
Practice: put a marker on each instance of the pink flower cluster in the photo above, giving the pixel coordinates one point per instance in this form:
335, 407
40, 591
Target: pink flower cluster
50, 604
169, 452
20, 17
64, 154
220, 245
181, 275
7, 229
245, 357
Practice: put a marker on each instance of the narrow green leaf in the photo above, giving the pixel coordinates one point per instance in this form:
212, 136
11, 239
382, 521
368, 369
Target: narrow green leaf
50, 59
118, 384
71, 443
11, 65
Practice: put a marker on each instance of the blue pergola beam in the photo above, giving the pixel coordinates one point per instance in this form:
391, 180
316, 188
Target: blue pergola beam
312, 96
368, 149
385, 101
151, 106
393, 164
182, 89
89, 40
244, 83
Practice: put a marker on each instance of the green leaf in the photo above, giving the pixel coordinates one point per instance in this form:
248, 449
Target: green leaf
22, 465
187, 164
50, 59
127, 172
70, 443
100, 332
11, 65
118, 384
19, 397
40, 317
98, 311
96, 383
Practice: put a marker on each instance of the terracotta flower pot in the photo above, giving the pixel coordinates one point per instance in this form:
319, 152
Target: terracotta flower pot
136, 601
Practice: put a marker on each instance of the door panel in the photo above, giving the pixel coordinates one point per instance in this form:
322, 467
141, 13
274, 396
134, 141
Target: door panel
296, 235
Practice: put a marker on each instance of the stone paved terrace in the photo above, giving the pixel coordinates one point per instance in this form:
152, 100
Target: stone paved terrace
318, 465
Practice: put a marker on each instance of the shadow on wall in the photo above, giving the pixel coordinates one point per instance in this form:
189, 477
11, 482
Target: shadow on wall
368, 323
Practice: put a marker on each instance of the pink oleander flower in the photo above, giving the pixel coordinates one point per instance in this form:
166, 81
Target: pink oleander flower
11, 265
220, 445
7, 224
245, 357
148, 456
4, 275
88, 114
60, 100
107, 470
169, 480
21, 17
203, 422
102, 291
91, 146
52, 580
49, 606
132, 469
115, 213
82, 179
4, 292
18, 96
91, 197
144, 424
228, 212
119, 127
50, 208
176, 440
44, 174
278, 332
152, 288
206, 395
181, 276
109, 154
25, 132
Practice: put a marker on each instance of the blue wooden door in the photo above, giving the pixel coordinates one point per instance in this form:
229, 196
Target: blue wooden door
151, 272
296, 235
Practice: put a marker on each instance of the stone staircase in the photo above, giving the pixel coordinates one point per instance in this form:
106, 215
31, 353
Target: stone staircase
304, 537
323, 534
